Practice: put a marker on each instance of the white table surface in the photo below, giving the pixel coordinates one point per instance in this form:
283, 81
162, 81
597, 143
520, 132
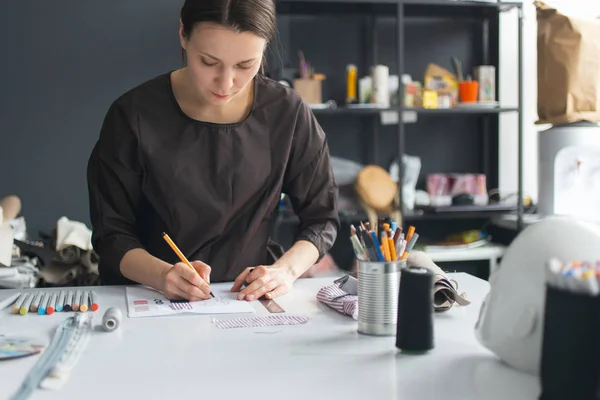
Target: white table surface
188, 357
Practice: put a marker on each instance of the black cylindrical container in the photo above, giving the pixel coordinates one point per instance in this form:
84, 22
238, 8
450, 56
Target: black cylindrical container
414, 329
570, 359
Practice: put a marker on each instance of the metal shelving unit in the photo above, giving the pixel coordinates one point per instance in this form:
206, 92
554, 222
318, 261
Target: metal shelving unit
406, 10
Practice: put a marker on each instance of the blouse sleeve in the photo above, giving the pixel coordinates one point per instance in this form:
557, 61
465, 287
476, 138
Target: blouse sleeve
114, 180
310, 184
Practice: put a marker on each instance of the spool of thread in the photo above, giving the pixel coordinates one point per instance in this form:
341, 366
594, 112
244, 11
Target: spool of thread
111, 319
381, 90
414, 329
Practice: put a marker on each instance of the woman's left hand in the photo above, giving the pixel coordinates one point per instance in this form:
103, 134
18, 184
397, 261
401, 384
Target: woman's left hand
266, 280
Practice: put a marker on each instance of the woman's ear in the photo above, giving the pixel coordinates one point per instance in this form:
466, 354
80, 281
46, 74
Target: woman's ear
182, 38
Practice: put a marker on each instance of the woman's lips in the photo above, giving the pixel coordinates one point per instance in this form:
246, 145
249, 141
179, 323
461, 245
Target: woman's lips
220, 96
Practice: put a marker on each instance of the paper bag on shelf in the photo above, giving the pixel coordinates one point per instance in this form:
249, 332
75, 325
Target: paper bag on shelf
568, 65
442, 81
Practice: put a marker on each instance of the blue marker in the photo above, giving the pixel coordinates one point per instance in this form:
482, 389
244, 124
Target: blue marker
377, 246
394, 227
43, 304
61, 301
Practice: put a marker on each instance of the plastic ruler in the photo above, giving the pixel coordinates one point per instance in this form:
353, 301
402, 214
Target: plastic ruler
52, 368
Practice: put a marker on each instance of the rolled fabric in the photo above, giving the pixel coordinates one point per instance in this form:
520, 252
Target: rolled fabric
445, 291
11, 207
70, 255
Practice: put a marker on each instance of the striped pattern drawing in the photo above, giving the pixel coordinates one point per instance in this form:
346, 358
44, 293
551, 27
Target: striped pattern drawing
180, 306
257, 322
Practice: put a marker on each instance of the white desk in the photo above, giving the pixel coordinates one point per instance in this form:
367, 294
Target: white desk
187, 357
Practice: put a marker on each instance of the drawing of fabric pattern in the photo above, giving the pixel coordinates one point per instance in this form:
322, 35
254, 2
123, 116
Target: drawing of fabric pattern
256, 322
339, 300
181, 306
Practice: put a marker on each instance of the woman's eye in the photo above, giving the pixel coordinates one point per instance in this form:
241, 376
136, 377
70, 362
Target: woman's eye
244, 66
208, 64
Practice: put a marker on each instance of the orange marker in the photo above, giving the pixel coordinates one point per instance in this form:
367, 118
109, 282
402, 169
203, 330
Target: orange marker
386, 246
84, 302
76, 300
410, 233
392, 247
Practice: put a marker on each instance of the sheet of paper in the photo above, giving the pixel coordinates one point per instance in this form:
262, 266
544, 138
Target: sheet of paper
6, 243
146, 302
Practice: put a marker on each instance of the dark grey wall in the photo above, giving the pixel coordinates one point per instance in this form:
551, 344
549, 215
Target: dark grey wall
62, 64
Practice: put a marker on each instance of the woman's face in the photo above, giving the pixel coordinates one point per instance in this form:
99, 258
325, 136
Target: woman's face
221, 62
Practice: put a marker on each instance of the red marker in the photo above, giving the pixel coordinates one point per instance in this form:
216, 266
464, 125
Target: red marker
51, 304
93, 301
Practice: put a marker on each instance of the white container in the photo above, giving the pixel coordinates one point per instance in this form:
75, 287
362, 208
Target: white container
365, 87
381, 89
568, 178
486, 76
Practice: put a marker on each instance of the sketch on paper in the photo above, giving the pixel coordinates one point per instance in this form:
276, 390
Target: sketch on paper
143, 301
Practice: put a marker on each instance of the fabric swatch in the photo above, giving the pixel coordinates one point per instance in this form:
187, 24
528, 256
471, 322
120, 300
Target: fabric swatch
339, 300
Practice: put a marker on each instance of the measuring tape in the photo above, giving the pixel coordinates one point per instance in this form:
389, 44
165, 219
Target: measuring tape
53, 367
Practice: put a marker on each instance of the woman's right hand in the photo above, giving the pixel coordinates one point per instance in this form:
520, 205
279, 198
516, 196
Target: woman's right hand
181, 283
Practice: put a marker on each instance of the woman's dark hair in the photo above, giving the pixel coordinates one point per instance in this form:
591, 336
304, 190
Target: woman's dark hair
256, 16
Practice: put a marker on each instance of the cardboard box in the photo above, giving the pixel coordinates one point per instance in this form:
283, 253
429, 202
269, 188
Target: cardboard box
310, 90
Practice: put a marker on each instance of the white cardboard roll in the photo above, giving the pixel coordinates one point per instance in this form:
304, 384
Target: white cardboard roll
381, 91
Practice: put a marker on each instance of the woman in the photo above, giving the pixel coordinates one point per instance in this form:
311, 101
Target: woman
203, 153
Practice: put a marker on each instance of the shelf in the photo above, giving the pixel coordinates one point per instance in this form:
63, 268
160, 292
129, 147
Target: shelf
351, 111
348, 218
409, 113
413, 8
487, 252
345, 218
422, 216
455, 3
458, 111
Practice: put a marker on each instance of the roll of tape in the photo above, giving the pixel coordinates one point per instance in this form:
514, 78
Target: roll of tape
111, 319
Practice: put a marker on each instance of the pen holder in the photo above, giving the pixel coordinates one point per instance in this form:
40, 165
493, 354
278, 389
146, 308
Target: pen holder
310, 90
378, 285
569, 366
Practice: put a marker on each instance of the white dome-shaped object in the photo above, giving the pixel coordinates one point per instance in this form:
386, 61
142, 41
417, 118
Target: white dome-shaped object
511, 319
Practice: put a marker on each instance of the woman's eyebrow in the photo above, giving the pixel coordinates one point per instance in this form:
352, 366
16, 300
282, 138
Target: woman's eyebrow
216, 59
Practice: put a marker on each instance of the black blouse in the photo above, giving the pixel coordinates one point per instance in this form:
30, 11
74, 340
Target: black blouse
214, 188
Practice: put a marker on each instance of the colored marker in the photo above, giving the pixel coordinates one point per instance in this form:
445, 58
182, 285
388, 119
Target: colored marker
51, 304
76, 300
43, 304
36, 302
84, 301
61, 301
25, 307
17, 306
9, 301
69, 301
94, 300
377, 246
